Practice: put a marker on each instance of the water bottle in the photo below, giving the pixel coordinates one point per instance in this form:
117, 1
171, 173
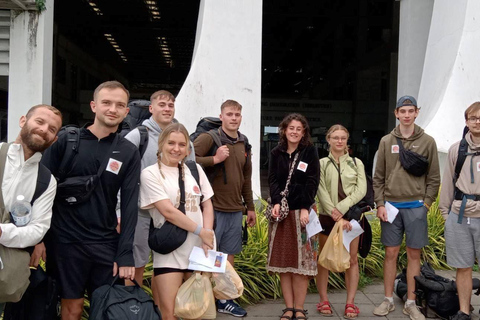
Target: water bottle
21, 211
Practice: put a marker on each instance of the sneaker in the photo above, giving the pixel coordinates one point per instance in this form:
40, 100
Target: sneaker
384, 308
232, 308
411, 310
460, 316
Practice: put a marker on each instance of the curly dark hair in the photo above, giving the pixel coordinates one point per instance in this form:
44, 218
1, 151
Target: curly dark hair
282, 127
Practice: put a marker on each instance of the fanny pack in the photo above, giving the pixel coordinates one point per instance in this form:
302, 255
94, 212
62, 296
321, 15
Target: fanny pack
77, 190
412, 162
169, 237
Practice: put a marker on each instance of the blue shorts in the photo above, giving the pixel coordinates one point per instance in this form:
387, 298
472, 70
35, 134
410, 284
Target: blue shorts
228, 231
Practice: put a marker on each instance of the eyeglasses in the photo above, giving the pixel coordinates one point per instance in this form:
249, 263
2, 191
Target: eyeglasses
339, 138
473, 119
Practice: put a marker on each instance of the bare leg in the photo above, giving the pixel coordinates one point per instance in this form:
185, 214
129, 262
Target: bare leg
169, 283
287, 283
72, 309
231, 259
413, 269
352, 274
322, 275
390, 269
299, 289
464, 288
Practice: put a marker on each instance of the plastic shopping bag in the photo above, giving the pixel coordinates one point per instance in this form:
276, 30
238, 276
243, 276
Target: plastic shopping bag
227, 285
195, 299
334, 256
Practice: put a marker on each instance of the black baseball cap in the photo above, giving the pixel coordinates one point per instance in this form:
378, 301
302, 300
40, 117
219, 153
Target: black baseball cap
406, 101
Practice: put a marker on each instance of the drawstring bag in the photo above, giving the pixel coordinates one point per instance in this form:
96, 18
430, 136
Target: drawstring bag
228, 285
334, 256
195, 299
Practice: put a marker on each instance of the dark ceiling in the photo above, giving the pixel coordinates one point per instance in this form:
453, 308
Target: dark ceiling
311, 48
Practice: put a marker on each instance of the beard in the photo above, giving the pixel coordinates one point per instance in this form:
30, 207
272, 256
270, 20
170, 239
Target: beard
26, 134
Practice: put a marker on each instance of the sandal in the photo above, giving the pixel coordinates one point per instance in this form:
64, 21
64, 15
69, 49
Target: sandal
283, 316
351, 309
304, 312
325, 309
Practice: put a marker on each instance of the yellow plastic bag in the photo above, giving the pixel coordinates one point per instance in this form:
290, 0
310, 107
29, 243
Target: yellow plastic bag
334, 256
228, 285
195, 299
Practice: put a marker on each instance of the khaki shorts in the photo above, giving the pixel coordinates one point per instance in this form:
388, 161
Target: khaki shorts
462, 241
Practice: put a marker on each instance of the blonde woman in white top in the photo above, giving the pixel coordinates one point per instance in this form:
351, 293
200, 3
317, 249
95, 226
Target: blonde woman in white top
160, 194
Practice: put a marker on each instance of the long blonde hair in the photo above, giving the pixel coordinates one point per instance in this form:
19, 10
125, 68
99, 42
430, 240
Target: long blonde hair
173, 127
337, 127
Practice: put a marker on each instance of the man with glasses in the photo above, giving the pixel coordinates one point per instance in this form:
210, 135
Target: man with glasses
460, 207
411, 194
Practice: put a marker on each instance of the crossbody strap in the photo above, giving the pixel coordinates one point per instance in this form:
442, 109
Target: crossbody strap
181, 185
3, 161
104, 164
292, 167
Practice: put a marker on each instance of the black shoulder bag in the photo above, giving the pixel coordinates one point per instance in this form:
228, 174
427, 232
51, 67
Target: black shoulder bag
412, 162
76, 190
169, 237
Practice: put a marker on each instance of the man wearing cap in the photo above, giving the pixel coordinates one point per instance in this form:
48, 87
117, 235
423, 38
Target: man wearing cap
459, 206
411, 194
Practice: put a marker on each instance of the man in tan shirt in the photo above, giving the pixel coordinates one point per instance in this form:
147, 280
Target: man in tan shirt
460, 206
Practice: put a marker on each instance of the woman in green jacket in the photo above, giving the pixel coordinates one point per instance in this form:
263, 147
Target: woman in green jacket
342, 184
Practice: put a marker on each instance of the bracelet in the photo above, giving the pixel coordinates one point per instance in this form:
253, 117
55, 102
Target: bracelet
197, 230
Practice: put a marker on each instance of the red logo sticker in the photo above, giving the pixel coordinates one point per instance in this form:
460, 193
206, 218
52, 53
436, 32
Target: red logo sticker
114, 166
302, 166
196, 189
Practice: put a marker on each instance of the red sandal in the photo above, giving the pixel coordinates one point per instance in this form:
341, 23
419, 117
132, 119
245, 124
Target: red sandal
325, 306
351, 309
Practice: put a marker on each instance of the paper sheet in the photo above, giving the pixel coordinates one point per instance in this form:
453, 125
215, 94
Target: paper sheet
391, 211
215, 262
348, 236
313, 226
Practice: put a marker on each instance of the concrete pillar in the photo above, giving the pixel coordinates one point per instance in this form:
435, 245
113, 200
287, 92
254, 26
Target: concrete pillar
415, 18
30, 64
226, 64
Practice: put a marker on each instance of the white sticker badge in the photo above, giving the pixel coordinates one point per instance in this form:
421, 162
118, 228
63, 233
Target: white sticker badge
395, 148
478, 166
114, 166
302, 166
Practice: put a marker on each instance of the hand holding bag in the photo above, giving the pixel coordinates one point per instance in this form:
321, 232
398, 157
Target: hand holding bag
228, 285
283, 212
195, 299
334, 256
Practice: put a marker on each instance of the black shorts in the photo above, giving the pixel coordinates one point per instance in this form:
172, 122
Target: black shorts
81, 267
159, 271
327, 224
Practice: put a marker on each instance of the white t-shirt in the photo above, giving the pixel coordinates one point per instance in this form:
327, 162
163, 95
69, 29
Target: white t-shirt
153, 188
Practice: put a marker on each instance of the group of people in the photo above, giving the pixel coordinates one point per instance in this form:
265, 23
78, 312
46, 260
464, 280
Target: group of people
339, 182
86, 246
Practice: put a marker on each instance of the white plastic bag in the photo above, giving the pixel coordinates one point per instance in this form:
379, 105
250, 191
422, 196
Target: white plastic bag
195, 299
227, 285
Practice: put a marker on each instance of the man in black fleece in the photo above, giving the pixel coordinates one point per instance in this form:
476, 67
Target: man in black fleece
86, 249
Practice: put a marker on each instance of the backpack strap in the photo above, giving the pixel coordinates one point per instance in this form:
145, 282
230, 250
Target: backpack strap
192, 165
71, 150
43, 180
143, 130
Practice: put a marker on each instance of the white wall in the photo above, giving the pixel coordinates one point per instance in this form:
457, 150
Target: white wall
226, 64
30, 74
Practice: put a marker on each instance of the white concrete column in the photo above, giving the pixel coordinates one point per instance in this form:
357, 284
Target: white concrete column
30, 63
415, 18
226, 64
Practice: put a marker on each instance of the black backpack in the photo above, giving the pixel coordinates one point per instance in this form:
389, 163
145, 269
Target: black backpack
205, 125
39, 302
115, 301
437, 293
139, 112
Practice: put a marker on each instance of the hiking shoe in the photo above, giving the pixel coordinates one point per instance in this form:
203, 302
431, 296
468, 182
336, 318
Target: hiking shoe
411, 310
460, 316
232, 308
384, 308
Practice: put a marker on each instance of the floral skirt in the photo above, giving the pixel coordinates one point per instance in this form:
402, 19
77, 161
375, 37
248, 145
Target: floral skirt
289, 249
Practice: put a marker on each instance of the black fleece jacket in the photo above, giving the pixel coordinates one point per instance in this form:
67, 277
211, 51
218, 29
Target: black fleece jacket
303, 185
95, 221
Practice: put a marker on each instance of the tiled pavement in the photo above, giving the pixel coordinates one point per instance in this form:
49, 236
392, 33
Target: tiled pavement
366, 299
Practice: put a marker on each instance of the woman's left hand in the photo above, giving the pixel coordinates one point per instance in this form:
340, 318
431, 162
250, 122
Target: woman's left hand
347, 225
304, 217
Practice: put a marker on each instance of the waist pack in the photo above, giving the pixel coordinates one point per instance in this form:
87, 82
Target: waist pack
412, 162
169, 237
115, 301
77, 190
